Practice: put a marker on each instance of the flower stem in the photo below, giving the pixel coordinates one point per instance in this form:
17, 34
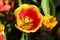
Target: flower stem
22, 36
26, 36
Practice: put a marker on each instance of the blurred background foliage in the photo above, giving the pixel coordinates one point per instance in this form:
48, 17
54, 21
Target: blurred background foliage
8, 19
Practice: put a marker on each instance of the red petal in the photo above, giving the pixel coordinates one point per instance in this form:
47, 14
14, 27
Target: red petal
31, 14
1, 36
1, 3
2, 9
22, 13
5, 8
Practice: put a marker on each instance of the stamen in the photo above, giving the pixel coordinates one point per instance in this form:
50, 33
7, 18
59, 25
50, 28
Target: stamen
26, 22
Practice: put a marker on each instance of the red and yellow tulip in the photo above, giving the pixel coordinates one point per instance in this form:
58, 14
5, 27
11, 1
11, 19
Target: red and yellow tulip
2, 27
28, 18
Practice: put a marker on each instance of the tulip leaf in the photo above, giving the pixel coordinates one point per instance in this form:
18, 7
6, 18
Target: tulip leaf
35, 1
45, 6
52, 7
19, 2
2, 15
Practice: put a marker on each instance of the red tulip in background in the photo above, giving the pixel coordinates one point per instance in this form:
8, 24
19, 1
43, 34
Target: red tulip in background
1, 3
6, 7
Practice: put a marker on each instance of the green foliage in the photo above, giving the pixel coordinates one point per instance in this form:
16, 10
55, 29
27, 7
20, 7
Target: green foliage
45, 6
52, 7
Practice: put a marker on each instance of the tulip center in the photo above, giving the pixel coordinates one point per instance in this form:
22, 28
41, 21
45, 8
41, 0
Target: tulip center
26, 23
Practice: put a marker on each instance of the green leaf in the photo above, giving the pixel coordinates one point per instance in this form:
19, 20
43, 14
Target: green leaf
2, 15
34, 1
19, 2
9, 29
45, 6
52, 7
8, 25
